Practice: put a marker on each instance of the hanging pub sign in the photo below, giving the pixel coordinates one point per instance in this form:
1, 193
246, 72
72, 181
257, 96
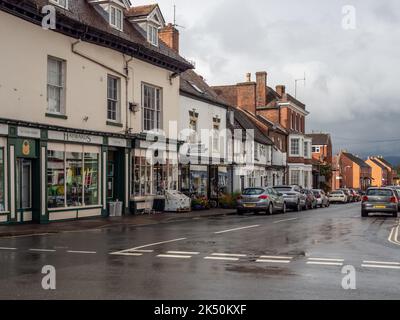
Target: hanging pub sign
25, 148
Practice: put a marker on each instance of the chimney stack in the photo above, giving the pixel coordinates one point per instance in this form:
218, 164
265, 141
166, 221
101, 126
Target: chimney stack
281, 90
248, 77
261, 89
170, 36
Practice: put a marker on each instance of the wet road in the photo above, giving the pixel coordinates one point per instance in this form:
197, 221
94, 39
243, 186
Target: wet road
291, 256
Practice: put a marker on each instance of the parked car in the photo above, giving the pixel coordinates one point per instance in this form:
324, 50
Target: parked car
355, 195
380, 200
338, 196
349, 196
359, 194
261, 200
311, 200
293, 196
322, 198
397, 192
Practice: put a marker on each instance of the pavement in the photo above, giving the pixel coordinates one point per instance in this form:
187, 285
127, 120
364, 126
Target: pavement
331, 253
101, 223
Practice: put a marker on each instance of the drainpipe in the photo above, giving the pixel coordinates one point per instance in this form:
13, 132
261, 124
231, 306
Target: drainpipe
126, 90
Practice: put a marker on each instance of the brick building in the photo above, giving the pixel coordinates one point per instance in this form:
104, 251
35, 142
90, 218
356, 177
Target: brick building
354, 172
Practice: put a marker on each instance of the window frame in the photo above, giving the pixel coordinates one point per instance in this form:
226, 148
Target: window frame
3, 182
112, 99
293, 154
62, 88
116, 22
57, 2
157, 115
152, 34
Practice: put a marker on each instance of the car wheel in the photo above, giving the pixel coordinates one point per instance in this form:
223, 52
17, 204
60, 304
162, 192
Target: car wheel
298, 207
364, 213
240, 212
395, 214
284, 208
270, 209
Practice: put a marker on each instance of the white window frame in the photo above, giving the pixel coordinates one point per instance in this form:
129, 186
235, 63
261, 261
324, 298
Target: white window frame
57, 2
316, 149
117, 101
296, 181
292, 154
117, 24
158, 113
152, 34
61, 87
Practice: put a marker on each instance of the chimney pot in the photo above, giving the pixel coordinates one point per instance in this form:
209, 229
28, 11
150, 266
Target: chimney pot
248, 77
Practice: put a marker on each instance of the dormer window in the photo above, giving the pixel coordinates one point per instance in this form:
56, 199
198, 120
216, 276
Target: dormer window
116, 18
152, 35
61, 3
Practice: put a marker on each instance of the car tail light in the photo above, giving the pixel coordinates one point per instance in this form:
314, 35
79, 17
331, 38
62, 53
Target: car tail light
365, 198
393, 200
263, 197
239, 198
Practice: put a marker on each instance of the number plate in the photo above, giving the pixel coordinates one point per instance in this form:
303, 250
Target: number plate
249, 205
379, 207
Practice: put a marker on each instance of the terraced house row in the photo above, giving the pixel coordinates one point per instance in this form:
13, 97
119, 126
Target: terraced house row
103, 109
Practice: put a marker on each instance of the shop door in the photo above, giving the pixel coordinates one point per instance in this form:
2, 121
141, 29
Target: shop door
24, 189
111, 176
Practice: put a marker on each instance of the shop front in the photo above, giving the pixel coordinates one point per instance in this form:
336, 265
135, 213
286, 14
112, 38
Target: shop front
52, 175
153, 171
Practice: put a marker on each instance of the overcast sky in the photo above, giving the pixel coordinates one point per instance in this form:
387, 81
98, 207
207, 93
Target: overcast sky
353, 75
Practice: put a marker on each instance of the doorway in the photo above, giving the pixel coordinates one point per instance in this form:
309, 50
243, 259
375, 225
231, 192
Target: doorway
24, 184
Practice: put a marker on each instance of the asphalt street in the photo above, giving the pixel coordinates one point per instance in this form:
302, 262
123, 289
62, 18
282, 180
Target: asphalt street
283, 256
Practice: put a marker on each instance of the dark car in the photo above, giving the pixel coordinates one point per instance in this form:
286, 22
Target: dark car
380, 200
260, 200
311, 200
294, 198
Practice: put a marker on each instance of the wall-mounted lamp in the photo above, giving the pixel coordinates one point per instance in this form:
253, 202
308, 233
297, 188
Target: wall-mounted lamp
134, 107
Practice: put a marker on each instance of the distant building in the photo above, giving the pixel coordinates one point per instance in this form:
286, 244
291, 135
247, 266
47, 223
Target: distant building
392, 177
354, 172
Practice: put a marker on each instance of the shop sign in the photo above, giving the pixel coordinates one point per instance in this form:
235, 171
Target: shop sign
3, 129
25, 148
162, 146
28, 132
122, 143
75, 137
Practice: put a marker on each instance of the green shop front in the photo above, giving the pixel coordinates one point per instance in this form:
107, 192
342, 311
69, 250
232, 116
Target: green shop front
53, 175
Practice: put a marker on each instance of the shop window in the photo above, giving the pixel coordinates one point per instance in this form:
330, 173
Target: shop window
142, 176
113, 98
152, 108
185, 179
91, 176
74, 167
199, 181
55, 179
2, 191
55, 85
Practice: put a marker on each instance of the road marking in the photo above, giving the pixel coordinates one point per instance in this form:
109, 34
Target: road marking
138, 249
276, 257
42, 250
325, 263
83, 252
222, 258
144, 251
133, 254
394, 235
326, 259
380, 266
229, 255
5, 248
173, 256
237, 229
183, 252
272, 261
285, 220
382, 262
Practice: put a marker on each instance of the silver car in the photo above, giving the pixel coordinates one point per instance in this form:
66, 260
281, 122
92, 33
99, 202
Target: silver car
322, 198
379, 200
294, 197
260, 200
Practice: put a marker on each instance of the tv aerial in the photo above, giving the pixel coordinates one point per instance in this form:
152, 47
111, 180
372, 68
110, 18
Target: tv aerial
175, 24
295, 84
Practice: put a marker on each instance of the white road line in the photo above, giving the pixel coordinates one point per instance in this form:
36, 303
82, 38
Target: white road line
222, 258
132, 254
382, 262
393, 236
4, 248
83, 252
42, 250
276, 257
326, 259
173, 256
380, 266
285, 220
183, 252
237, 229
272, 261
325, 263
155, 244
144, 251
229, 255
